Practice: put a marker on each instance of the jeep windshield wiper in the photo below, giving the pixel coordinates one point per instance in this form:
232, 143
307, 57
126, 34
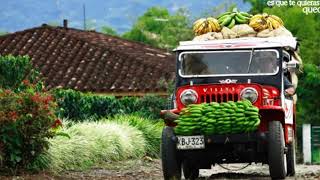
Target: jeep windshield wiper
250, 61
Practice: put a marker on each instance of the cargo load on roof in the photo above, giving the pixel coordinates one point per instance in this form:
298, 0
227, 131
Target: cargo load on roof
235, 24
235, 29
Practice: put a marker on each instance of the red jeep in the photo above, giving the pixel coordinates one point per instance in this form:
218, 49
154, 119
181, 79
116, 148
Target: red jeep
232, 70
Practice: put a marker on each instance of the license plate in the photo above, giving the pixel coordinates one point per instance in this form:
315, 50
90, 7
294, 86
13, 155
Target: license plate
190, 142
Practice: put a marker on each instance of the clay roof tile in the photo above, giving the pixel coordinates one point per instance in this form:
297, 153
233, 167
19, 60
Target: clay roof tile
91, 61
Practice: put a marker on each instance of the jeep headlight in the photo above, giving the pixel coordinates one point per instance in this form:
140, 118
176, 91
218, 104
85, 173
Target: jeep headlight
189, 96
250, 94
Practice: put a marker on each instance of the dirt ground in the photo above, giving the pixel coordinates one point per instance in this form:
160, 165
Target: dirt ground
148, 169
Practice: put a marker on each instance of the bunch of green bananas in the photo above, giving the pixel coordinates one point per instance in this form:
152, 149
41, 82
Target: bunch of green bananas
264, 21
205, 25
246, 117
189, 121
229, 19
214, 118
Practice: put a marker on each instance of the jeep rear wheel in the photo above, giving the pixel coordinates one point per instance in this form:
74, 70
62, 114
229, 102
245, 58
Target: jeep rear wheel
276, 155
291, 159
171, 164
189, 171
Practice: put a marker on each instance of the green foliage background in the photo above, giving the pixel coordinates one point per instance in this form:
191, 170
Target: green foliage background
81, 106
158, 28
308, 91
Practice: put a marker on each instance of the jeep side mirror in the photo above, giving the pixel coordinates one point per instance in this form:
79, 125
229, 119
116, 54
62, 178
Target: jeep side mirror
291, 65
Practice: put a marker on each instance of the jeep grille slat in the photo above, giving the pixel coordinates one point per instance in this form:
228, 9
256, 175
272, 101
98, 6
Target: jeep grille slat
219, 96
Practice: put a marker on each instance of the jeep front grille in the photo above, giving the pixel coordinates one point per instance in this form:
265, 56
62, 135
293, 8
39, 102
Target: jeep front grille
219, 97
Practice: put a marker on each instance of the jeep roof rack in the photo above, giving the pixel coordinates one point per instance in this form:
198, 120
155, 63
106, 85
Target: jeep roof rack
240, 43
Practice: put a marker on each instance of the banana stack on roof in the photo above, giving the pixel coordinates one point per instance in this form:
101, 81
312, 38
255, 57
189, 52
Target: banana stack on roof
235, 24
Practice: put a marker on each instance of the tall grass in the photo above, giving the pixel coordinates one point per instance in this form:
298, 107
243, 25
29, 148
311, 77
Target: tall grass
151, 131
96, 141
92, 143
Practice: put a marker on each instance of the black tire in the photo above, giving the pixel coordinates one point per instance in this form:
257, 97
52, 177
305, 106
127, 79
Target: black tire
171, 163
189, 171
276, 154
291, 159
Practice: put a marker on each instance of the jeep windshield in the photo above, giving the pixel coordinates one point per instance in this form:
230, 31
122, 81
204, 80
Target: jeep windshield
221, 63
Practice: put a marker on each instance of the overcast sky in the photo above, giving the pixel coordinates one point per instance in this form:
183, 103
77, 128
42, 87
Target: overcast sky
18, 15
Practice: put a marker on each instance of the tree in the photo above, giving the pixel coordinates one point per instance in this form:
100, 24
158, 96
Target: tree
13, 70
257, 5
138, 34
53, 23
3, 33
90, 25
158, 28
176, 29
308, 93
305, 27
108, 30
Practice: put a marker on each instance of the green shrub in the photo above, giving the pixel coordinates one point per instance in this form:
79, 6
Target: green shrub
71, 104
150, 106
27, 120
103, 106
316, 155
151, 131
92, 143
13, 70
129, 104
79, 106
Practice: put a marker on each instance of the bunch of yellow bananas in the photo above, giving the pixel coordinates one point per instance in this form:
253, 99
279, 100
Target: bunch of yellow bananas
205, 25
264, 21
231, 18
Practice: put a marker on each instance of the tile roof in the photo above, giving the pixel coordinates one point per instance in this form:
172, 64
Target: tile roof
91, 61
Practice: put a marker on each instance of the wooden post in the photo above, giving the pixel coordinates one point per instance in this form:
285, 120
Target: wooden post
306, 143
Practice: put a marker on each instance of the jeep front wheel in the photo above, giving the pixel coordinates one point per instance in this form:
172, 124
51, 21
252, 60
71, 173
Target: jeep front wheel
190, 171
276, 155
291, 159
171, 164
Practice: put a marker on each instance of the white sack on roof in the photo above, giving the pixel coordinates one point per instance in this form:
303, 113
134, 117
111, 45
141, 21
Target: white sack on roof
208, 36
244, 30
